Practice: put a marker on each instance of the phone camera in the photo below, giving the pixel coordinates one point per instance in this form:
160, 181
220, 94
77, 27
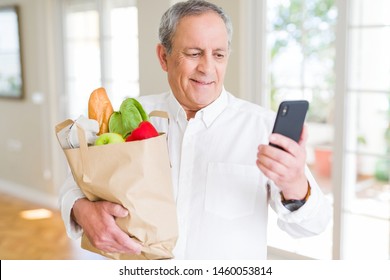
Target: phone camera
284, 110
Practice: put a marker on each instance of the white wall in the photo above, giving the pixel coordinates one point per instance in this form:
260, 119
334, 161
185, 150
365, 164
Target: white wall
26, 140
152, 79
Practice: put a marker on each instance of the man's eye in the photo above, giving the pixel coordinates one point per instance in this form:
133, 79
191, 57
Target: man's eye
219, 55
194, 54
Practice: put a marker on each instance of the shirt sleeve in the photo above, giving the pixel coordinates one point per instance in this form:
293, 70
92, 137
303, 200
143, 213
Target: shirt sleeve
311, 219
69, 193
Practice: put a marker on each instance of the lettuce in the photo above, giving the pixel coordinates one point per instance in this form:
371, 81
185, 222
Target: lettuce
129, 116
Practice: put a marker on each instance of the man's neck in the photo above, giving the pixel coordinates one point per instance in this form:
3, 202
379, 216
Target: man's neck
190, 113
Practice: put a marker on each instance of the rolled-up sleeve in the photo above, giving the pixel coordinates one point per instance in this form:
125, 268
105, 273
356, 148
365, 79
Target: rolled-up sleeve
311, 219
69, 193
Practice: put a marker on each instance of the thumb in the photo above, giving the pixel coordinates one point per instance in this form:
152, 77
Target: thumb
117, 210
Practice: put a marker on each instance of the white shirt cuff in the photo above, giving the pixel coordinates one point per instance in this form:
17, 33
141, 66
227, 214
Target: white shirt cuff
70, 192
309, 211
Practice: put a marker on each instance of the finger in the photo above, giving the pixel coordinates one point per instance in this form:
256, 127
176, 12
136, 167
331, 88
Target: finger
116, 240
286, 143
269, 173
266, 152
274, 160
116, 210
128, 244
277, 165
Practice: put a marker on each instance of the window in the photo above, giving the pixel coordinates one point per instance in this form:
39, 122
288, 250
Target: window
366, 206
101, 50
302, 48
11, 83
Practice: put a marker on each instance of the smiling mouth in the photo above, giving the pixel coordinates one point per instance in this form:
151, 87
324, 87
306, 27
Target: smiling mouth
205, 83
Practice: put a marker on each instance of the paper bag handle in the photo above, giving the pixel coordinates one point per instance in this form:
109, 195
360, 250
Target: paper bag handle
83, 153
159, 114
62, 125
83, 146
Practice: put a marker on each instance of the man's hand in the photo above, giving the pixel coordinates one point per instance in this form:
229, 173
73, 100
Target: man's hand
98, 222
286, 168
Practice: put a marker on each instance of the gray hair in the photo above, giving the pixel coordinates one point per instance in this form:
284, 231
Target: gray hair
174, 14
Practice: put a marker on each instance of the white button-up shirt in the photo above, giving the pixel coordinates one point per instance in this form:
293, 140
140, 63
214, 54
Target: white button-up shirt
222, 197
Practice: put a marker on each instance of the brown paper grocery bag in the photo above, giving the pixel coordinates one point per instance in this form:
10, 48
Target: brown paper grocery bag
136, 175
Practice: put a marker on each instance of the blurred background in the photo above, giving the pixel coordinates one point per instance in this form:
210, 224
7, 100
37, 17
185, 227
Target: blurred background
333, 53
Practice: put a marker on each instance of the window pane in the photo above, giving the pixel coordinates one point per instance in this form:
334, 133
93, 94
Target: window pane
10, 59
368, 238
366, 205
121, 46
318, 71
120, 90
10, 73
95, 57
281, 94
79, 99
367, 208
286, 62
370, 12
82, 59
124, 51
368, 122
367, 193
370, 59
82, 25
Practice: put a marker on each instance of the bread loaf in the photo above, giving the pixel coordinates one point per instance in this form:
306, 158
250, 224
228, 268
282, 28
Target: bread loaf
100, 109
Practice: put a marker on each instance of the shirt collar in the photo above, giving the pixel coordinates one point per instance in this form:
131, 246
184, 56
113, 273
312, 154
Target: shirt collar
212, 111
176, 112
207, 114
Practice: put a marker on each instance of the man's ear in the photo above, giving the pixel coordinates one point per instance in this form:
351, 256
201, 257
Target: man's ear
162, 57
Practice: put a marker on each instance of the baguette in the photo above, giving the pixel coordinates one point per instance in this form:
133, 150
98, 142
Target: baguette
100, 109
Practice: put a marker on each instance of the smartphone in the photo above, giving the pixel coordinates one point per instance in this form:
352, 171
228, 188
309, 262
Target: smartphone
290, 119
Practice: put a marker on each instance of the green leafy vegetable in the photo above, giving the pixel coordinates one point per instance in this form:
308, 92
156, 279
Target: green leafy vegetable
129, 116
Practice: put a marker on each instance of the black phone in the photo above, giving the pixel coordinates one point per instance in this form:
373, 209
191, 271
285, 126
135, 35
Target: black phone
290, 119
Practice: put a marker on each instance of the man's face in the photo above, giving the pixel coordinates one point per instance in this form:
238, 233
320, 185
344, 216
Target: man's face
197, 64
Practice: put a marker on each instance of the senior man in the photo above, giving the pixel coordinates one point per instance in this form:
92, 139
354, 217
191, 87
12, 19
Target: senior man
224, 172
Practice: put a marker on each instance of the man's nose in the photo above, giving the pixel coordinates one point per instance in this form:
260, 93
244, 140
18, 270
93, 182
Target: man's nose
206, 64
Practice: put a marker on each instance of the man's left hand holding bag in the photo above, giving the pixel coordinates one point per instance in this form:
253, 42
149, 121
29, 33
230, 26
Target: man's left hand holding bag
98, 222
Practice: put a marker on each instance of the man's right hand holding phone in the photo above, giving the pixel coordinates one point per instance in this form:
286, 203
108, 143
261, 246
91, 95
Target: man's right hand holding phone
286, 168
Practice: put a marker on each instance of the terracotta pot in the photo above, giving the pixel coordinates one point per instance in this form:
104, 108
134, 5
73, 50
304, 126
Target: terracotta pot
323, 164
